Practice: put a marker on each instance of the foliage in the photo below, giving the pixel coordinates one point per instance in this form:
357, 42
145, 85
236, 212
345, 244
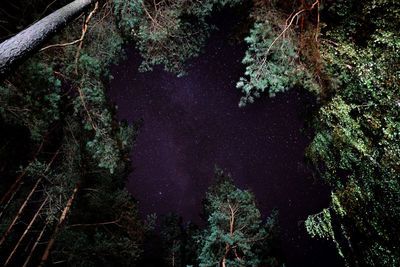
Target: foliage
234, 226
167, 32
356, 143
106, 231
271, 60
31, 99
60, 92
320, 225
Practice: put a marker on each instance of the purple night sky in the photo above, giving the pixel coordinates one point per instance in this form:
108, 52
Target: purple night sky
193, 123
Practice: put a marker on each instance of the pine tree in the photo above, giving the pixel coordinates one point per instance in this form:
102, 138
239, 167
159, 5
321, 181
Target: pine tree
235, 227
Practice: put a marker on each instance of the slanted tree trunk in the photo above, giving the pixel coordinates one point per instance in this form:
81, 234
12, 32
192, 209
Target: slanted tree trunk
46, 253
18, 48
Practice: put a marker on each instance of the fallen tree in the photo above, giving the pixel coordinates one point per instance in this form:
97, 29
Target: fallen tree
18, 48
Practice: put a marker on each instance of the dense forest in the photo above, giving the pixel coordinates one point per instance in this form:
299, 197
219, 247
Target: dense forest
65, 155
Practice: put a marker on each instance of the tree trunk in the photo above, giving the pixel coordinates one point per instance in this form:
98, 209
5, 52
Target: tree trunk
26, 231
35, 245
18, 48
58, 226
19, 212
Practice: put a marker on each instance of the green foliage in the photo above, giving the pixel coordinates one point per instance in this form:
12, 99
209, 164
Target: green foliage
356, 146
356, 143
103, 147
103, 45
234, 226
320, 225
101, 235
103, 225
31, 98
167, 32
64, 88
271, 59
98, 249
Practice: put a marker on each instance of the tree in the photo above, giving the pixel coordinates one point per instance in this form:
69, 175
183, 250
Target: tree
234, 226
16, 49
272, 58
179, 246
173, 238
168, 32
356, 145
63, 88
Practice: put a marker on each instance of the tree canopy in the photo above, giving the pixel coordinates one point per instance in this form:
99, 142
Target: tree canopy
62, 146
235, 232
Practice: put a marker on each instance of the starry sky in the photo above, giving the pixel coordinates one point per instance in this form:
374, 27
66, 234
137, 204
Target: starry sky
193, 123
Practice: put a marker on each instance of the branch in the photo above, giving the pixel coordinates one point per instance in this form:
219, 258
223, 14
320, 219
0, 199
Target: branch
148, 14
47, 7
73, 42
236, 255
232, 220
18, 48
87, 111
60, 45
84, 29
285, 29
291, 22
93, 224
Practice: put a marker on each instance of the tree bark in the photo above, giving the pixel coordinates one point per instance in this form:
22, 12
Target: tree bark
35, 245
25, 232
18, 48
19, 212
27, 200
58, 227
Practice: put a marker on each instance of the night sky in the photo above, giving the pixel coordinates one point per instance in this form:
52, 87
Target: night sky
193, 123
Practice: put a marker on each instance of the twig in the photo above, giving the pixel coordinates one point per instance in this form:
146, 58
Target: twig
93, 224
73, 42
47, 7
60, 45
291, 22
148, 14
87, 111
284, 31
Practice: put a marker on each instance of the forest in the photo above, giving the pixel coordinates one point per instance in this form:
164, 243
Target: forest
119, 145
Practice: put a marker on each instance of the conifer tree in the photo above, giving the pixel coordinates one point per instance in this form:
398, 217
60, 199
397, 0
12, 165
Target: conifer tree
235, 228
